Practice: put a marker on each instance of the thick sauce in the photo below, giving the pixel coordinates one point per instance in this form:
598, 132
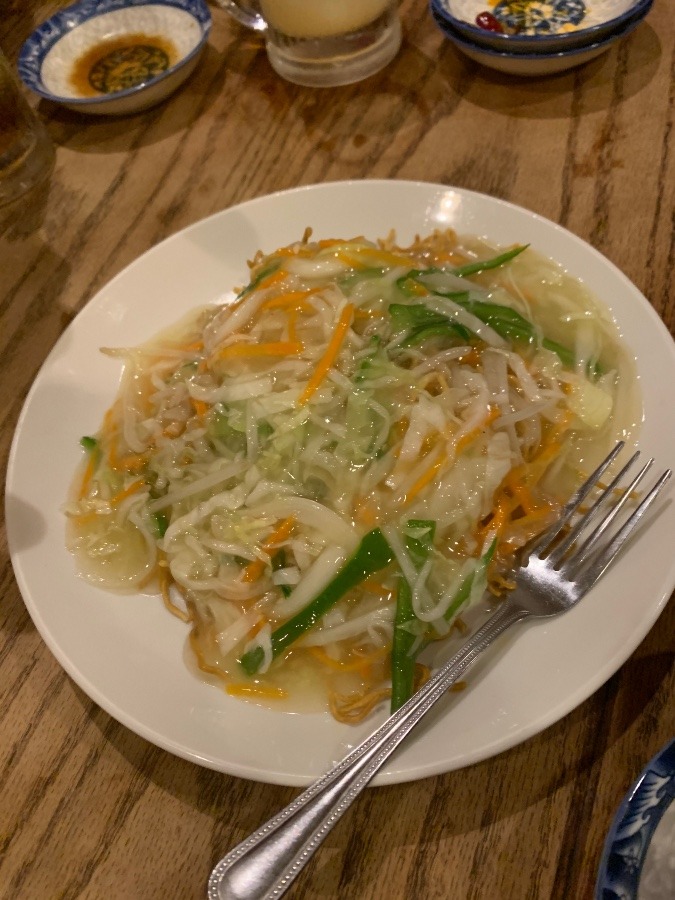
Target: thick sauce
121, 63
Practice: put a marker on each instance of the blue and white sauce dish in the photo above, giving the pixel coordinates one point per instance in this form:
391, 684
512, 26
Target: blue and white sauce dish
534, 64
531, 26
638, 860
112, 57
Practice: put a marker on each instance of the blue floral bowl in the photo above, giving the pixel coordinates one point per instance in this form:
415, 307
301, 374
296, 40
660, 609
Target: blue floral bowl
534, 64
637, 860
111, 57
538, 26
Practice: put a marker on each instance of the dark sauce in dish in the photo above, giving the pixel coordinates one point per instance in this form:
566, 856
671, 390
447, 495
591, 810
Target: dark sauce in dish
121, 63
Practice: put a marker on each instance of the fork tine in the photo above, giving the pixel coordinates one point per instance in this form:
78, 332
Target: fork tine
584, 550
588, 578
575, 501
560, 549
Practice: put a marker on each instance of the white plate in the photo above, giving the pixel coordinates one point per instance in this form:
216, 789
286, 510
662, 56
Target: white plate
127, 652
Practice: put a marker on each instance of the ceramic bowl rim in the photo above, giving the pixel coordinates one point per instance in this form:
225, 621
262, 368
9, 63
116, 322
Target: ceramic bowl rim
465, 44
581, 37
52, 30
615, 869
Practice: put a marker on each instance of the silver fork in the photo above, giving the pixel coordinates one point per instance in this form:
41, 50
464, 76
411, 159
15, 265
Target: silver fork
563, 564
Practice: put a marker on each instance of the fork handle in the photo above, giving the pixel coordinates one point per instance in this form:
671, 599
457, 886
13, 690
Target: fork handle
265, 864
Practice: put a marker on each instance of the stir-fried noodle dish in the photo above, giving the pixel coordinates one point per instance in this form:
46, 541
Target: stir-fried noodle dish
323, 476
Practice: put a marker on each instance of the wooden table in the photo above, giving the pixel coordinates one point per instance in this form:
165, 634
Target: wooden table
88, 809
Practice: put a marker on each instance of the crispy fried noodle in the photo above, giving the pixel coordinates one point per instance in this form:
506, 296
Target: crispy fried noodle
323, 475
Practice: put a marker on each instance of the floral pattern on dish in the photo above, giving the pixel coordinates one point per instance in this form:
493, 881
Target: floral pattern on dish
636, 820
534, 17
596, 13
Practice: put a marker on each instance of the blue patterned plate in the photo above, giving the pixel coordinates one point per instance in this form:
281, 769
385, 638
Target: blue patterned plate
530, 64
636, 864
539, 26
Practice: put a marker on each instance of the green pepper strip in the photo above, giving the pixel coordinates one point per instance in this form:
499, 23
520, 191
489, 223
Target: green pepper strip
403, 670
350, 281
93, 448
372, 554
424, 323
366, 363
403, 285
268, 270
482, 265
507, 322
464, 591
159, 522
511, 325
402, 659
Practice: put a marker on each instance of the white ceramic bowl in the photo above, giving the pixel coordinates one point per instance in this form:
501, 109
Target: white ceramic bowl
111, 57
531, 64
554, 25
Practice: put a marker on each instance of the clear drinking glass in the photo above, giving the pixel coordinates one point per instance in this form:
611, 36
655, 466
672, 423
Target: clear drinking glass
26, 150
323, 43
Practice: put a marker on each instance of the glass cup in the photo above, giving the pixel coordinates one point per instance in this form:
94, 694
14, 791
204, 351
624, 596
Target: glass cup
323, 43
26, 150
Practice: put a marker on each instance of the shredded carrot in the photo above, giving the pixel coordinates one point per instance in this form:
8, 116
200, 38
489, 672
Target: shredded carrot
108, 423
195, 346
200, 407
291, 250
127, 491
500, 516
133, 462
87, 476
515, 493
470, 436
368, 313
523, 495
329, 242
353, 665
272, 279
291, 300
271, 348
425, 478
332, 350
418, 289
129, 462
256, 690
456, 446
85, 518
365, 512
372, 586
254, 569
174, 429
256, 628
472, 358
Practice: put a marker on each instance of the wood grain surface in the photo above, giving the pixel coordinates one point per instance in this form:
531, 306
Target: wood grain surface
89, 810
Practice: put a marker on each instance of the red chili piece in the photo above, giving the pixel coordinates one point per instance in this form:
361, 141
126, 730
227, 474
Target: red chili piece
488, 22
